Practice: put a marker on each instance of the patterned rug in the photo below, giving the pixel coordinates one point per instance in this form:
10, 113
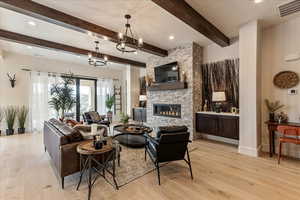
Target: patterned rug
134, 166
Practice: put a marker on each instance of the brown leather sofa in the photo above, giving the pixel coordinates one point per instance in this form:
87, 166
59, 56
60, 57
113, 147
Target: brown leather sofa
61, 148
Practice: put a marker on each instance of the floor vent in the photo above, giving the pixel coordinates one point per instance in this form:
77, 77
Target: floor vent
289, 8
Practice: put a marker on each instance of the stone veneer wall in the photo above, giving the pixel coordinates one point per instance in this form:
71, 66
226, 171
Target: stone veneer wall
189, 58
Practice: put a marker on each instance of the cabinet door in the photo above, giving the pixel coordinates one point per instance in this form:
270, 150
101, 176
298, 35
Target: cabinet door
229, 127
136, 114
144, 115
207, 124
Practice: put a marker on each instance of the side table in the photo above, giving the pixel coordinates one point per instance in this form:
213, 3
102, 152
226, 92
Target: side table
88, 163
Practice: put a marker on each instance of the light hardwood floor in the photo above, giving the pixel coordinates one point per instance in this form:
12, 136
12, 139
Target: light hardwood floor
219, 171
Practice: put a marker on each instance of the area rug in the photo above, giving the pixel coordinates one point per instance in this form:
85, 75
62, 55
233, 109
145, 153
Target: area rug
133, 165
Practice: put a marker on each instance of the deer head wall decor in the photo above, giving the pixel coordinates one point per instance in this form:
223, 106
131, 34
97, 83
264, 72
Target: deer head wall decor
12, 80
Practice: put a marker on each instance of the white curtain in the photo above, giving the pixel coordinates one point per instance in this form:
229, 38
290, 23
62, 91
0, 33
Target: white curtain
52, 79
104, 87
39, 110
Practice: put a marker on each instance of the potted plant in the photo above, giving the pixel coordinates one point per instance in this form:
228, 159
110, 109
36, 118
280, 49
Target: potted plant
272, 108
10, 117
22, 116
1, 117
63, 96
55, 104
124, 119
109, 102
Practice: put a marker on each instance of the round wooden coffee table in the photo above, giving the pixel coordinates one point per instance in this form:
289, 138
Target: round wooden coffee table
88, 162
131, 135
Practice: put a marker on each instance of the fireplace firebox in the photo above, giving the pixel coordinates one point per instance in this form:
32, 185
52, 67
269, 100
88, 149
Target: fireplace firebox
167, 110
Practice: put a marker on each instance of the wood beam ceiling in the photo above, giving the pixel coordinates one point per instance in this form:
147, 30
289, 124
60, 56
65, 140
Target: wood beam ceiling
24, 39
183, 11
51, 15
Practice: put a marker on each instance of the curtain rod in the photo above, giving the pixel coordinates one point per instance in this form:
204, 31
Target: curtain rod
65, 74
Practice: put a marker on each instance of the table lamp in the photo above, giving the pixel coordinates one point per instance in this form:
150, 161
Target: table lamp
143, 99
218, 98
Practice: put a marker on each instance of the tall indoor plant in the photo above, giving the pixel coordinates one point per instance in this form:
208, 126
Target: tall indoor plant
10, 117
22, 117
272, 108
109, 102
63, 96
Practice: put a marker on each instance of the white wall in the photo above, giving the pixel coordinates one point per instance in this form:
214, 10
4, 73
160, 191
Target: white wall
13, 63
214, 53
279, 41
133, 86
249, 92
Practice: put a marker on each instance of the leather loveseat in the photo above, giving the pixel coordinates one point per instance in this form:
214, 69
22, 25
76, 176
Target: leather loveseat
60, 142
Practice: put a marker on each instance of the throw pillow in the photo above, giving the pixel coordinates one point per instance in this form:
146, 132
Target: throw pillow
74, 136
81, 127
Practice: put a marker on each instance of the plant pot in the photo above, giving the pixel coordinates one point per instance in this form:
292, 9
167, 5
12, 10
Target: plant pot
21, 130
10, 131
272, 117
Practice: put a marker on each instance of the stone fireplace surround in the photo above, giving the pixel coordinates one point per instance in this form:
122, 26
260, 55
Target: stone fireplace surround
189, 58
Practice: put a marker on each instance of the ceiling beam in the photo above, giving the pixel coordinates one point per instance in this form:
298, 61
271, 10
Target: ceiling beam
27, 40
183, 11
51, 15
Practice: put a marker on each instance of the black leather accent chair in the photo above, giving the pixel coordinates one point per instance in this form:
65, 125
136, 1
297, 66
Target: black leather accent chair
170, 145
94, 117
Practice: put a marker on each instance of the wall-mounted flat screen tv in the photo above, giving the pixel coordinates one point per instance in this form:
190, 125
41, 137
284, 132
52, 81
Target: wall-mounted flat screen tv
167, 73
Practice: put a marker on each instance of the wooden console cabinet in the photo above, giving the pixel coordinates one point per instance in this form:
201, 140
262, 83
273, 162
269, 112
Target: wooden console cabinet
139, 114
226, 126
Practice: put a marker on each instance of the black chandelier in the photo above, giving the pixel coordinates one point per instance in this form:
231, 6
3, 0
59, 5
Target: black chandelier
95, 60
127, 43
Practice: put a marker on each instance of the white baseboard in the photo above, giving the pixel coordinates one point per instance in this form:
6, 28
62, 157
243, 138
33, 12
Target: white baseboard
219, 139
249, 151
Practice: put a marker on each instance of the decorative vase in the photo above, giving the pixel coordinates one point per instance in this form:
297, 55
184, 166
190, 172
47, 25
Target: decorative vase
109, 116
10, 131
205, 106
21, 130
272, 117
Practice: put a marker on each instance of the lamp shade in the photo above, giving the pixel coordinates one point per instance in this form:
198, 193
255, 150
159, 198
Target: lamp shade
143, 98
218, 96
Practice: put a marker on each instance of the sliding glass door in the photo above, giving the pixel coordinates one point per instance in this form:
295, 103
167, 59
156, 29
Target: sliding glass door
90, 95
87, 96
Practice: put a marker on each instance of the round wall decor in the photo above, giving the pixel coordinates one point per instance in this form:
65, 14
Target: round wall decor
286, 79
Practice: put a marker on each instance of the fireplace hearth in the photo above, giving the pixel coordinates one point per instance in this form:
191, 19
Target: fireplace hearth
167, 110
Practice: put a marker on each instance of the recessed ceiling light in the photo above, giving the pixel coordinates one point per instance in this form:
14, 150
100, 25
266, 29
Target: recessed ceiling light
90, 33
258, 1
31, 23
135, 52
171, 37
105, 38
29, 47
78, 56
